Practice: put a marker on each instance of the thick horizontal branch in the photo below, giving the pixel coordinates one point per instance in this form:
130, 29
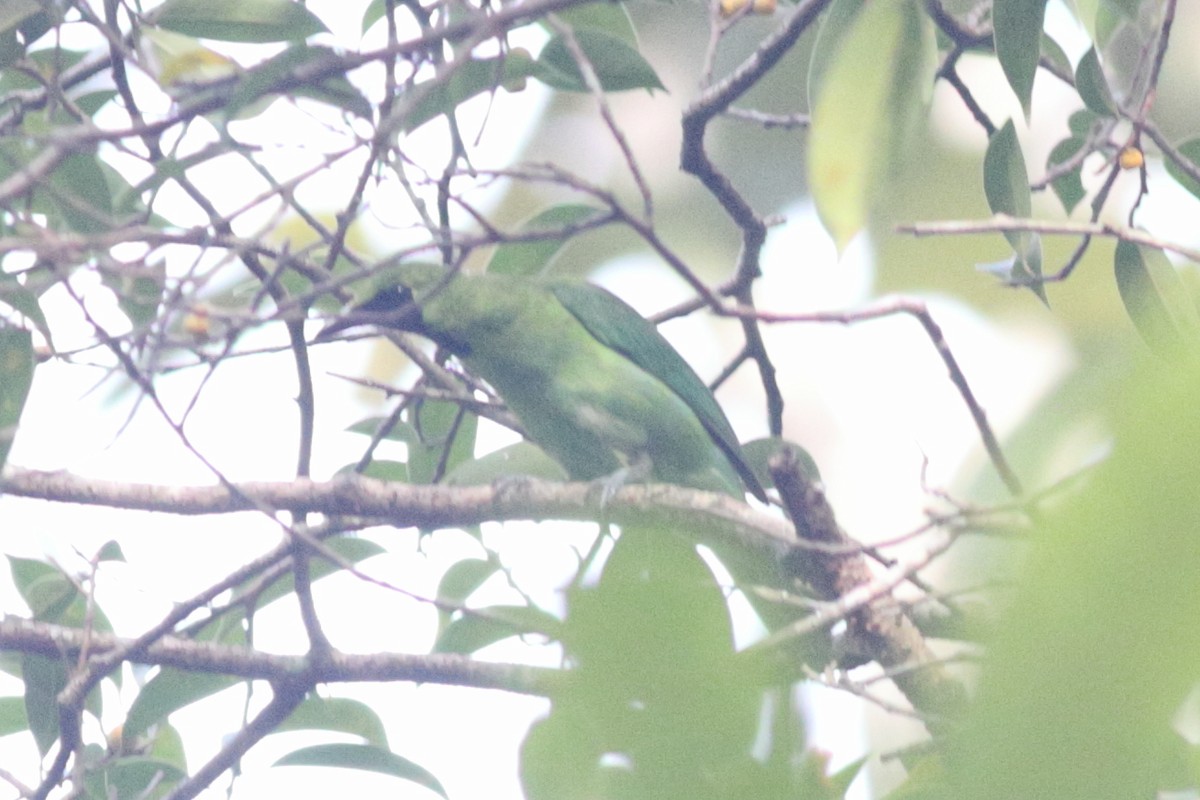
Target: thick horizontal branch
408, 505
1002, 223
54, 641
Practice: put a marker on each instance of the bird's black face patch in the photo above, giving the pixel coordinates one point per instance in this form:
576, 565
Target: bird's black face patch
392, 308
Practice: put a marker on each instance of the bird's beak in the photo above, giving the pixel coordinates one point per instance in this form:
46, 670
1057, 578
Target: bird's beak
392, 309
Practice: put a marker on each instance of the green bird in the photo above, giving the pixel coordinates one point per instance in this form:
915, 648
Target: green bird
594, 384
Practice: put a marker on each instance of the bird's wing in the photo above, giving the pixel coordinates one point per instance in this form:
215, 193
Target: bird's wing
617, 326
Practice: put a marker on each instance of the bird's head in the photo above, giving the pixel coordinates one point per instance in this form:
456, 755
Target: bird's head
394, 300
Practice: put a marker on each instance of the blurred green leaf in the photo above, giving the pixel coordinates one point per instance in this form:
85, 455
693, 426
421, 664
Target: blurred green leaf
1155, 299
363, 757
481, 627
1092, 85
618, 66
16, 376
446, 439
1006, 184
44, 679
1099, 648
885, 62
1191, 151
537, 257
45, 588
133, 776
656, 684
468, 79
278, 75
1068, 186
522, 458
836, 22
240, 20
462, 579
12, 715
609, 18
338, 714
168, 691
1017, 26
1053, 52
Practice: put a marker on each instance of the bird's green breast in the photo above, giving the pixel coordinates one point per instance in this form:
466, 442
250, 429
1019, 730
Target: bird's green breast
588, 406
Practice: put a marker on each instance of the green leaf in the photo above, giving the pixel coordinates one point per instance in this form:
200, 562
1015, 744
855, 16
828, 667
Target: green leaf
1093, 86
536, 257
45, 589
1081, 123
618, 66
133, 776
462, 579
1006, 184
81, 193
446, 439
469, 79
1017, 26
475, 630
110, 551
140, 293
373, 13
44, 679
14, 12
363, 757
338, 714
353, 550
836, 22
12, 715
609, 18
1191, 151
167, 692
870, 99
1068, 186
278, 75
240, 20
522, 458
1155, 298
1053, 52
1080, 690
16, 376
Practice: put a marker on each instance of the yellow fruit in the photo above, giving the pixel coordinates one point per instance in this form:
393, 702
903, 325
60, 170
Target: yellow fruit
1131, 158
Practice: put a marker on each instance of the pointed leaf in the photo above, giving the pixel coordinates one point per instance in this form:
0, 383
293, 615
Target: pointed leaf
835, 24
871, 97
339, 714
474, 631
609, 18
169, 691
1006, 184
240, 20
617, 65
1092, 85
364, 757
1155, 298
462, 579
1018, 35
